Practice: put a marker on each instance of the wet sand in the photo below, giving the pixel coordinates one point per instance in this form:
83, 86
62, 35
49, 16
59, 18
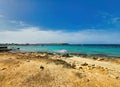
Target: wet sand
53, 70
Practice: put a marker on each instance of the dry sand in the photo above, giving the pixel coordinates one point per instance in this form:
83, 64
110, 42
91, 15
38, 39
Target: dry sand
52, 70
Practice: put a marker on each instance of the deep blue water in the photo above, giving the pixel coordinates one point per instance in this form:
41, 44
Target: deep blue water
108, 50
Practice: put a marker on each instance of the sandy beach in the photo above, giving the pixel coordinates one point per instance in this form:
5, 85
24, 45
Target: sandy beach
53, 70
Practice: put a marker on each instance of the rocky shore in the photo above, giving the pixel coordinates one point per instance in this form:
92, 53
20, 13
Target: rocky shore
55, 70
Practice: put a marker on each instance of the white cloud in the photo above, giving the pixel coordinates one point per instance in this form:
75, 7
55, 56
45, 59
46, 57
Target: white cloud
27, 34
37, 35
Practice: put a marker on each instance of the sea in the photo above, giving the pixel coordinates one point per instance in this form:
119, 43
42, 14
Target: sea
109, 50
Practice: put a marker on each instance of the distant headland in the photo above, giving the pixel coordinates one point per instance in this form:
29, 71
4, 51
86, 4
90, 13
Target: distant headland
48, 44
29, 44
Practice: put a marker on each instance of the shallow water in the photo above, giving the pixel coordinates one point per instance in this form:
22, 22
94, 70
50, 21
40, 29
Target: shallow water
107, 50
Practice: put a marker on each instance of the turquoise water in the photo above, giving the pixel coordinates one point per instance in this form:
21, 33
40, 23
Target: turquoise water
108, 50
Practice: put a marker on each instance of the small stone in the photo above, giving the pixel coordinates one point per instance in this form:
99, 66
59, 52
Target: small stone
106, 68
93, 64
77, 67
27, 60
84, 64
41, 68
87, 80
95, 58
10, 58
66, 55
99, 59
115, 77
3, 68
73, 65
88, 68
80, 68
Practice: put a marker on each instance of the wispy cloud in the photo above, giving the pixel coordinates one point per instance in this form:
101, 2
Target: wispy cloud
19, 23
37, 35
110, 20
7, 24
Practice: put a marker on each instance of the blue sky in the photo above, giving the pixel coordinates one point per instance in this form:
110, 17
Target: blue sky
72, 21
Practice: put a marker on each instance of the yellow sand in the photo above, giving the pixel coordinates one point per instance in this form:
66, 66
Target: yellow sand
24, 70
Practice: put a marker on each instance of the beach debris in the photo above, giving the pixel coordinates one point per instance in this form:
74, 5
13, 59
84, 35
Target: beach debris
41, 67
84, 64
63, 51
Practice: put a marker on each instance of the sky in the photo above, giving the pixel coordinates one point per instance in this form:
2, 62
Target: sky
60, 21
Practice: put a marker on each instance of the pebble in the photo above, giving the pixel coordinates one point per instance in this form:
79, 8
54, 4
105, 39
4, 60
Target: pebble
93, 64
99, 59
115, 77
41, 68
77, 67
3, 68
84, 64
10, 58
27, 60
80, 68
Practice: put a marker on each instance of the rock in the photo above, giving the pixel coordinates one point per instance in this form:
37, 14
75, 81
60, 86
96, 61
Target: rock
77, 67
10, 58
99, 67
87, 80
82, 55
17, 58
93, 64
3, 68
88, 68
41, 68
27, 60
99, 55
115, 77
66, 55
84, 64
95, 58
79, 54
80, 68
37, 55
100, 59
93, 67
73, 65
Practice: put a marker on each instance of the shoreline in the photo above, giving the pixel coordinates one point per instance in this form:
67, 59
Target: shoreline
41, 69
99, 57
107, 50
